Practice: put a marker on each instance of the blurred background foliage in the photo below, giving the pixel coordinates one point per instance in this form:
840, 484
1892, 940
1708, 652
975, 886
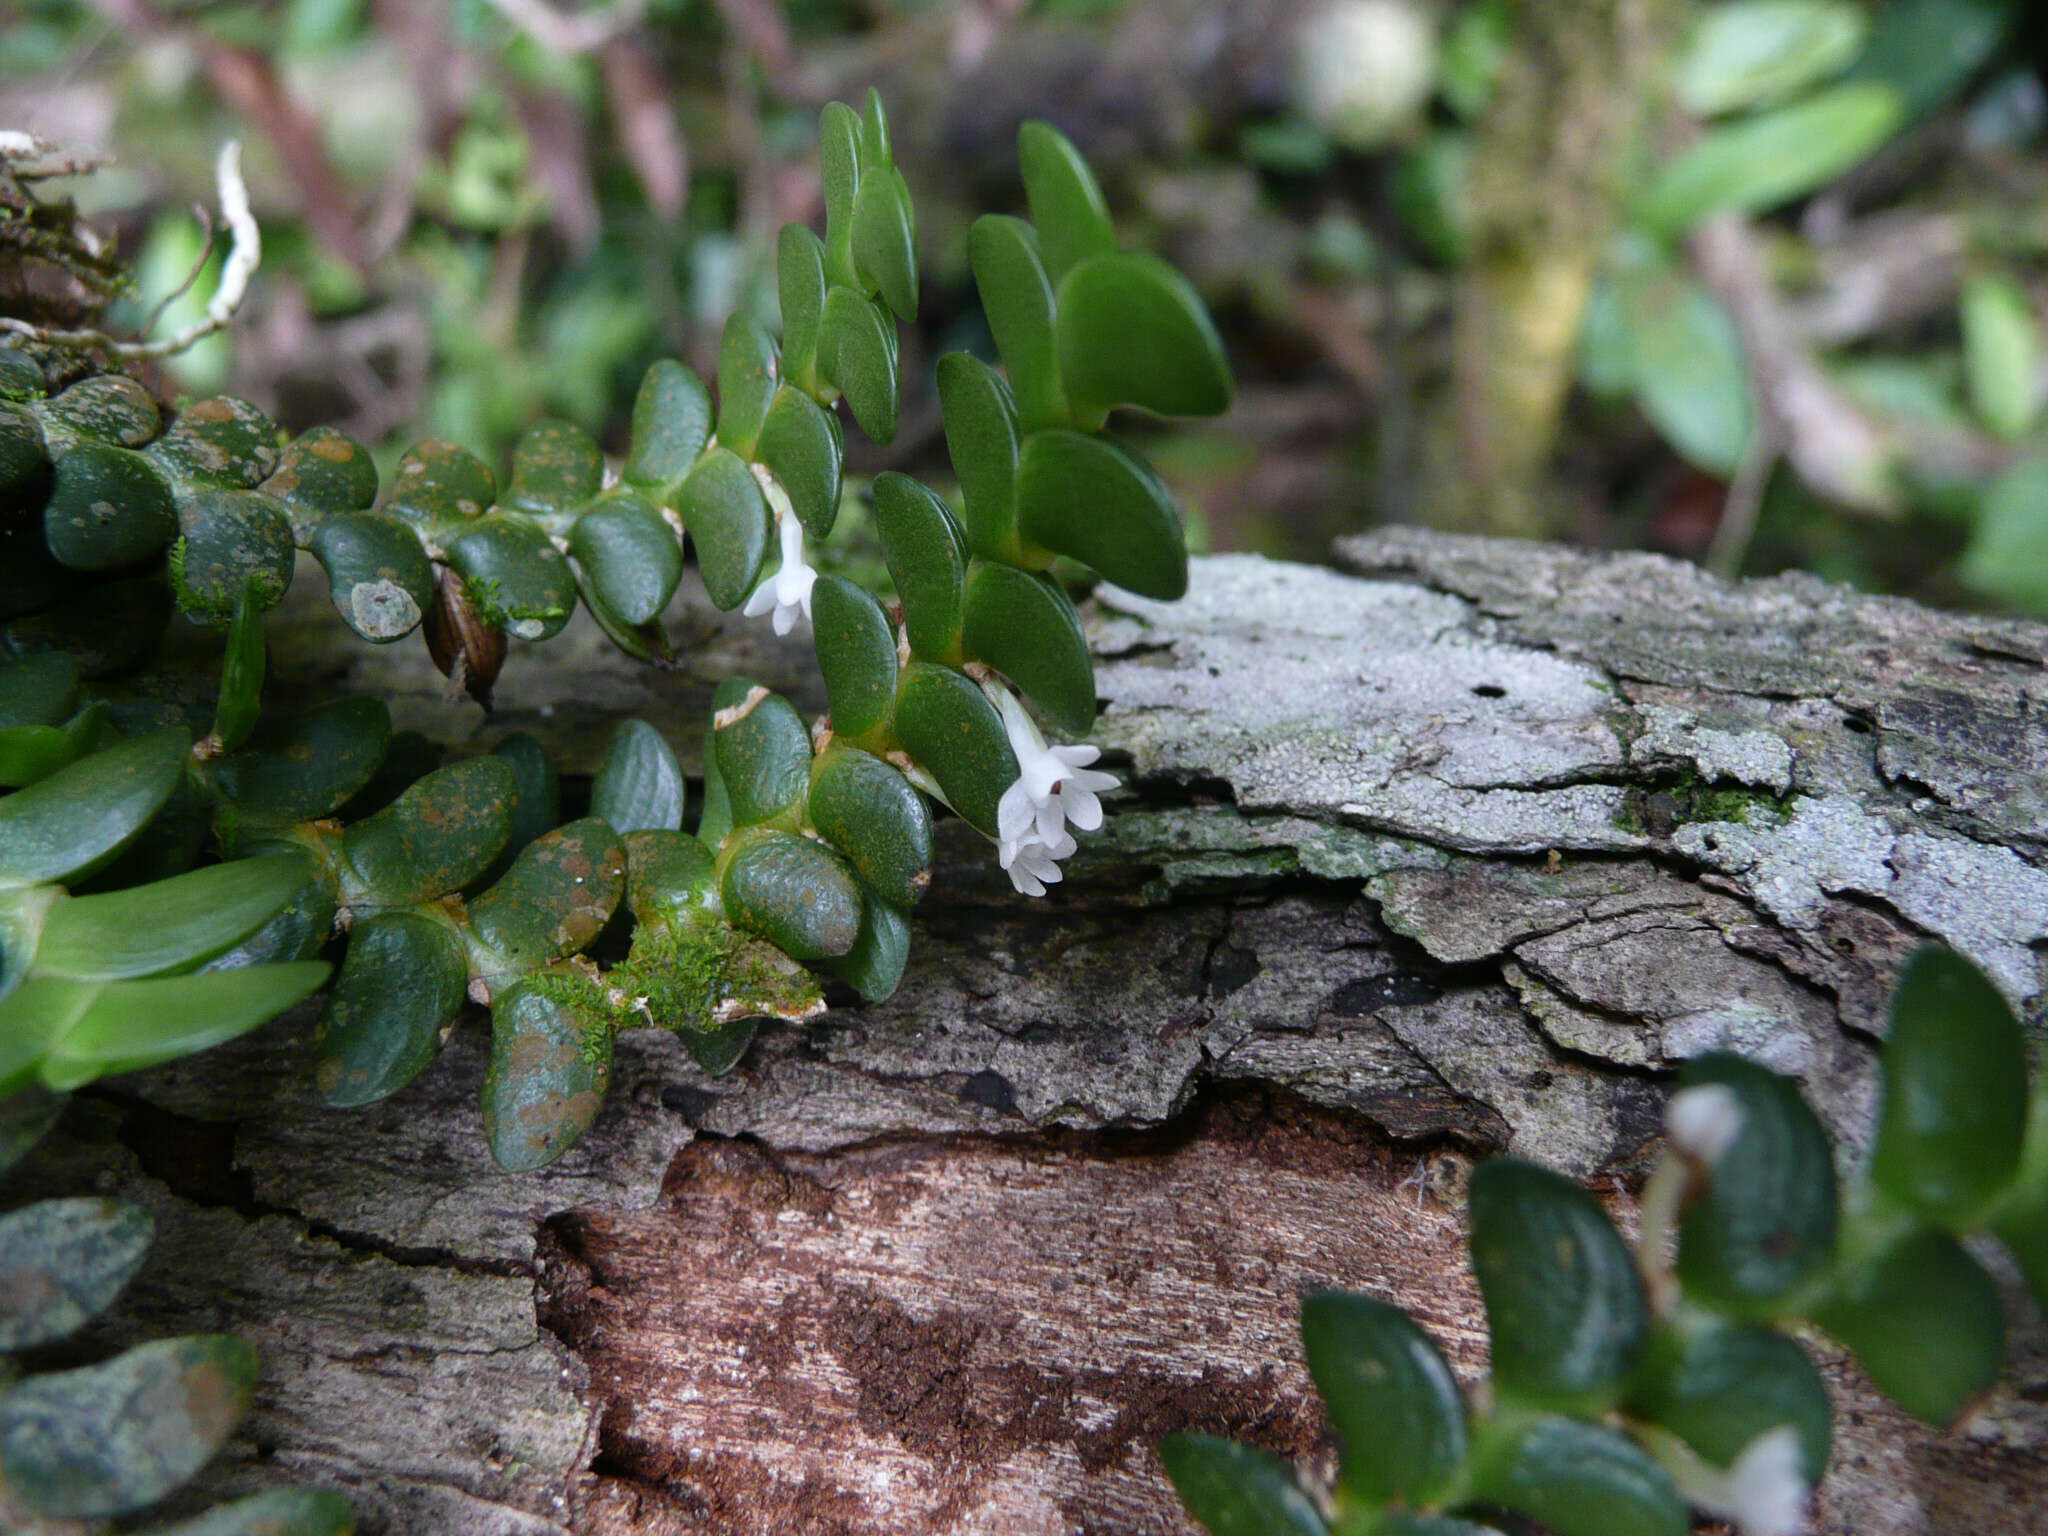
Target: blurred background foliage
1757, 282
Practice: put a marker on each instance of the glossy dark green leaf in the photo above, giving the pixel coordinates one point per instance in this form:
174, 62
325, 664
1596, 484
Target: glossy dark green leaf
1925, 1321
870, 813
380, 578
1718, 1386
795, 892
729, 523
801, 449
1133, 331
885, 240
856, 654
764, 755
747, 376
1017, 298
435, 838
857, 356
1764, 1222
1025, 627
1927, 50
955, 735
1759, 162
62, 1263
1093, 501
874, 966
108, 407
1399, 1418
1582, 1480
800, 286
633, 557
135, 1024
299, 931
24, 458
172, 842
321, 474
715, 819
107, 626
279, 1512
38, 690
29, 753
547, 1077
408, 756
671, 425
1238, 1490
80, 816
108, 507
309, 766
719, 1049
229, 543
1067, 207
401, 985
1564, 1303
1954, 1107
556, 468
538, 806
670, 877
224, 442
981, 437
514, 576
639, 784
839, 162
241, 676
927, 555
169, 924
103, 1440
646, 642
440, 487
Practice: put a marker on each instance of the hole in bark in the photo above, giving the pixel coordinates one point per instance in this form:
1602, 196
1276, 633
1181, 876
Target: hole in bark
1857, 724
1490, 691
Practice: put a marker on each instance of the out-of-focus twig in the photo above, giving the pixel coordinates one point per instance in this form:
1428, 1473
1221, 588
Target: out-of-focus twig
646, 126
759, 24
1744, 503
575, 31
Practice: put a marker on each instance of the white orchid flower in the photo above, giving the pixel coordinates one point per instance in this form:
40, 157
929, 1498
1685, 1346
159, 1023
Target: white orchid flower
1054, 787
788, 591
1767, 1490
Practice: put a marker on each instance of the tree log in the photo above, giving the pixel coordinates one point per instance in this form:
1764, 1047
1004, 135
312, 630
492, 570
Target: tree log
1457, 855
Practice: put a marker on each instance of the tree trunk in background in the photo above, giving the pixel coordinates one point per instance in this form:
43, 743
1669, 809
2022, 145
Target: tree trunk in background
1454, 857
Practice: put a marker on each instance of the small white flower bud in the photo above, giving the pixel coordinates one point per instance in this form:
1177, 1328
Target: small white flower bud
1703, 1122
1767, 1489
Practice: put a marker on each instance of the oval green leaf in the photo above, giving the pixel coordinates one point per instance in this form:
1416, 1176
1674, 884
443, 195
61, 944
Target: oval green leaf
1717, 1386
306, 767
639, 784
885, 240
401, 985
1025, 627
764, 755
555, 899
794, 892
547, 1077
231, 542
874, 965
1093, 501
982, 439
514, 576
927, 555
167, 925
1133, 331
107, 507
1399, 1418
857, 356
870, 813
435, 838
80, 816
137, 1024
1066, 201
856, 649
632, 555
1925, 1321
747, 373
556, 468
380, 578
1238, 1490
1582, 1480
721, 505
671, 425
955, 735
1017, 298
800, 448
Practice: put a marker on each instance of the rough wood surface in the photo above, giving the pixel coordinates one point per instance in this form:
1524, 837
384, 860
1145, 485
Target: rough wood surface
1455, 855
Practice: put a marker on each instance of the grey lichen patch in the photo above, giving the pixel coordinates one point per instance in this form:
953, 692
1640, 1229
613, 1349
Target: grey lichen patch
1202, 847
382, 610
1672, 737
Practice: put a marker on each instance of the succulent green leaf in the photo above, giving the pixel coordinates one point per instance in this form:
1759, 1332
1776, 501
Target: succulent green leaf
800, 286
24, 459
1025, 626
1717, 1386
876, 150
107, 1439
646, 642
801, 448
439, 487
321, 474
839, 167
794, 892
1581, 1479
874, 965
1764, 1225
1756, 52
38, 690
515, 577
556, 468
1758, 163
435, 838
1954, 1107
108, 507
380, 578
870, 813
1238, 1490
34, 1016
885, 240
721, 505
715, 820
1925, 1321
981, 437
639, 784
306, 767
167, 925
298, 931
280, 1512
401, 985
1133, 331
747, 374
764, 755
671, 425
857, 356
1017, 298
633, 557
1067, 207
670, 877
224, 442
955, 735
927, 554
62, 1263
719, 1049
555, 899
79, 817
547, 1077
856, 654
241, 675
2001, 354
1087, 498
231, 542
29, 753
1564, 1303
1399, 1418
404, 758
538, 808
109, 407
135, 1024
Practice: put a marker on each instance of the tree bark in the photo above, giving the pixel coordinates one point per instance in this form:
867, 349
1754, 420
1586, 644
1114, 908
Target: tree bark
1456, 855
